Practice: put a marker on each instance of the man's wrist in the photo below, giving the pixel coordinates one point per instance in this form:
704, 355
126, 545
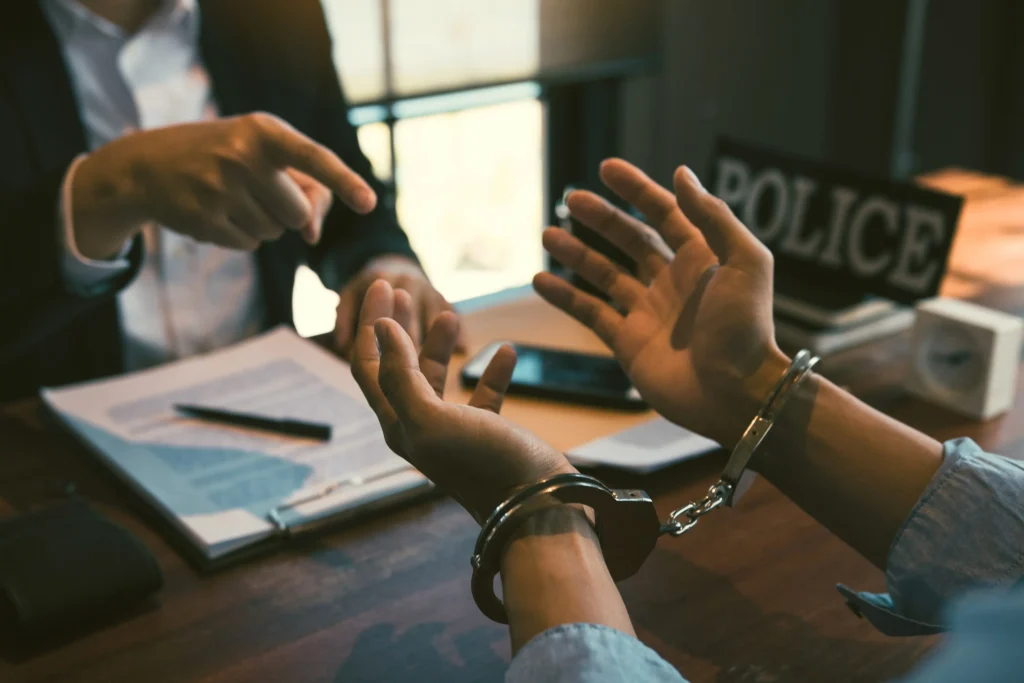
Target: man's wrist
789, 432
556, 520
554, 573
106, 209
787, 442
558, 534
749, 395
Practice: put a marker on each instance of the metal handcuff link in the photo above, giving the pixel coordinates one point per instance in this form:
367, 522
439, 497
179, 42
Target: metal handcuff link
626, 521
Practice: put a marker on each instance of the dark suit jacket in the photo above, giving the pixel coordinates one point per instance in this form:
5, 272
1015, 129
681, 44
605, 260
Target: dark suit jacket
262, 55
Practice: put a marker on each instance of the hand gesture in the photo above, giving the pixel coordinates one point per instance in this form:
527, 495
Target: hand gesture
235, 182
401, 272
697, 341
468, 450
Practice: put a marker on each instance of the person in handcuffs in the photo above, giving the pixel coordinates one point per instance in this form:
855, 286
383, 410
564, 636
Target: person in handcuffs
697, 341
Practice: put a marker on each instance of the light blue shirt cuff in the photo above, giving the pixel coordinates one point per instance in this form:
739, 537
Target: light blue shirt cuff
84, 276
985, 643
571, 653
966, 532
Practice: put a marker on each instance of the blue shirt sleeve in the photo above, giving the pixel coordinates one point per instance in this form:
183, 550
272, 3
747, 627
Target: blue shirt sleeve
588, 653
966, 532
984, 645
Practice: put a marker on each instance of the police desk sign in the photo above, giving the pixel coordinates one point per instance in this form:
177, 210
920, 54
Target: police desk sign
839, 230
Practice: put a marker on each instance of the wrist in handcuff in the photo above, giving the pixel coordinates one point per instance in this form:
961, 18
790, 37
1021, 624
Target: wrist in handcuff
783, 446
563, 526
626, 523
558, 518
626, 527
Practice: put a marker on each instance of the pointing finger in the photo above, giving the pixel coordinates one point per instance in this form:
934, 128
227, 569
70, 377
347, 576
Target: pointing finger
288, 147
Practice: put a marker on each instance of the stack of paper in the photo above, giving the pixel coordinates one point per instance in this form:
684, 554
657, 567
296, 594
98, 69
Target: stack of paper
219, 484
644, 448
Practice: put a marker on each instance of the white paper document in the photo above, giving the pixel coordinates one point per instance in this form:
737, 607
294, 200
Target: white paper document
643, 448
217, 482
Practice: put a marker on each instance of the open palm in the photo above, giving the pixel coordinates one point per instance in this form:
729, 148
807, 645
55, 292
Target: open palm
468, 450
697, 340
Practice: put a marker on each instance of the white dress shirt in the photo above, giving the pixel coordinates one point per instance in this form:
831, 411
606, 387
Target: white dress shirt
188, 297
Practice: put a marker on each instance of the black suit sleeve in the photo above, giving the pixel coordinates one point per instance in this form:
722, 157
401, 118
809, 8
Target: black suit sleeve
35, 300
349, 240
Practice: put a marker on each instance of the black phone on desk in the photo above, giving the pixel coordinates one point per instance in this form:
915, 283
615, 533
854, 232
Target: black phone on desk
562, 376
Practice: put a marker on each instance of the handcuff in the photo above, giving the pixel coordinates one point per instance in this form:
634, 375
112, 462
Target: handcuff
626, 521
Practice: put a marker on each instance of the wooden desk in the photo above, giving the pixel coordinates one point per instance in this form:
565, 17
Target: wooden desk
748, 596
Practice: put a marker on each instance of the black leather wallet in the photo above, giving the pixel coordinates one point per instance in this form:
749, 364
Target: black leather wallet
65, 567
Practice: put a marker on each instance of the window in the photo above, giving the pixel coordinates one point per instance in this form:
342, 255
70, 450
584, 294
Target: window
470, 195
466, 167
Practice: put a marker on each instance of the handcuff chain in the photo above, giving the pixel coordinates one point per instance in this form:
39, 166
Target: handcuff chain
731, 485
693, 511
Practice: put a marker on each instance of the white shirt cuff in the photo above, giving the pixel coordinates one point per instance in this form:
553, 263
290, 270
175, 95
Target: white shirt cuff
84, 275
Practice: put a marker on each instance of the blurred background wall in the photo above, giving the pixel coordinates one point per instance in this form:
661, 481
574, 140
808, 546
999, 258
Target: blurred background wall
827, 79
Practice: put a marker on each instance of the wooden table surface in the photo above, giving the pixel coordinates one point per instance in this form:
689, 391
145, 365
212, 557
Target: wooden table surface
749, 596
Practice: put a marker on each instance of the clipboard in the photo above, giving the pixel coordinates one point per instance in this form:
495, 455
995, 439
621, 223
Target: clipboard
230, 492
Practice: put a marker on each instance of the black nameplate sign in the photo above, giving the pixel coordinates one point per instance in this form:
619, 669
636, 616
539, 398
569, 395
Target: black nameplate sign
838, 230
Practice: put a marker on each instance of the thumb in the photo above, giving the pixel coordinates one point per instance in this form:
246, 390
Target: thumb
400, 378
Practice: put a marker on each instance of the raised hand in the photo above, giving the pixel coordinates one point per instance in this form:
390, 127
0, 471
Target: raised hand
470, 451
697, 341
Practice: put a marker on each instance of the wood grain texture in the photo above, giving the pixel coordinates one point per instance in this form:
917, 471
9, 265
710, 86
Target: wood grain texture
749, 596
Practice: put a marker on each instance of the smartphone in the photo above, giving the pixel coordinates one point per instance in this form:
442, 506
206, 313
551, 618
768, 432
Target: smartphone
562, 376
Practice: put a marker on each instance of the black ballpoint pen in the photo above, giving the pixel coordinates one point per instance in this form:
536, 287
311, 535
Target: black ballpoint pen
308, 430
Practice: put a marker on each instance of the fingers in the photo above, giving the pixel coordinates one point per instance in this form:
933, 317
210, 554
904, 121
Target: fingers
347, 310
226, 233
657, 204
593, 267
725, 234
461, 337
638, 241
589, 310
490, 390
282, 197
405, 387
249, 215
432, 307
425, 303
311, 233
379, 303
322, 200
288, 147
403, 309
437, 350
405, 316
462, 340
